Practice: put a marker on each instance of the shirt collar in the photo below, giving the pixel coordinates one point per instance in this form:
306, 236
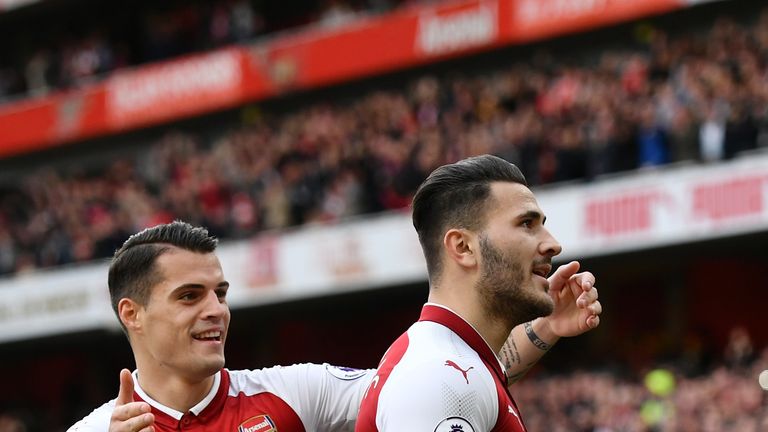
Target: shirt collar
196, 410
445, 316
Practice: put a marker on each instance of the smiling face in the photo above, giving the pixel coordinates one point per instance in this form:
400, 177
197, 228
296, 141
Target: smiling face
516, 256
182, 329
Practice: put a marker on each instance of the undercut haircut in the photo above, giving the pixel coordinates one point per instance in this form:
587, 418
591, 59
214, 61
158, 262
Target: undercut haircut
133, 272
457, 196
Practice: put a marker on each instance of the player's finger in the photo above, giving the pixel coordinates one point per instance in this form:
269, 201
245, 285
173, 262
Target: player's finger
142, 422
129, 411
584, 299
595, 308
561, 276
593, 321
584, 280
125, 394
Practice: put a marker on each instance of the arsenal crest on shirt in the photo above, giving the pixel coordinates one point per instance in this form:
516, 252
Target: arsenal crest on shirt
260, 423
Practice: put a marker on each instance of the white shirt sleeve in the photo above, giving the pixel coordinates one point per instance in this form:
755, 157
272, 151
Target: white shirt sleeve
96, 421
432, 397
325, 397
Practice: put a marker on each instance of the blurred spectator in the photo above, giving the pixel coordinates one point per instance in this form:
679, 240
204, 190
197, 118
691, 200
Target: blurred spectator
570, 153
246, 23
82, 60
683, 137
38, 73
652, 139
7, 251
11, 423
335, 13
740, 131
739, 352
712, 136
9, 82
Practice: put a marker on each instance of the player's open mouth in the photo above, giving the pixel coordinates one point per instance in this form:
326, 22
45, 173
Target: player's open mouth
542, 270
208, 336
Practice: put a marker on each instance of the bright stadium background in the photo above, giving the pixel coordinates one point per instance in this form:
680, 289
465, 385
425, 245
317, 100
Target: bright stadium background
297, 132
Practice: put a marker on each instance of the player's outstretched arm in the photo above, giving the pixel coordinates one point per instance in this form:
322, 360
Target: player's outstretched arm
130, 416
576, 311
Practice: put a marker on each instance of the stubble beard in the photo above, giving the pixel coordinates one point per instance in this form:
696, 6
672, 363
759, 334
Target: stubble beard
206, 367
501, 289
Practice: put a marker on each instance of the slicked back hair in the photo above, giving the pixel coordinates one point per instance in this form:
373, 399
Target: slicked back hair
457, 196
132, 272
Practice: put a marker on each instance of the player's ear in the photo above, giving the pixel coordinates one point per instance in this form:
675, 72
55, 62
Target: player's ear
129, 312
461, 247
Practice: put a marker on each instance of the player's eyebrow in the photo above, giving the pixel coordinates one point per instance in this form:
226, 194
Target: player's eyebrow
533, 214
197, 286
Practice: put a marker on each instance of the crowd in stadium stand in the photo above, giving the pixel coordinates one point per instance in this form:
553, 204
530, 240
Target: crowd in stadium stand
74, 54
725, 400
689, 97
722, 397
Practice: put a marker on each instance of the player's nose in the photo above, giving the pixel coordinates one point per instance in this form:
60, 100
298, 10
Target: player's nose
549, 246
213, 306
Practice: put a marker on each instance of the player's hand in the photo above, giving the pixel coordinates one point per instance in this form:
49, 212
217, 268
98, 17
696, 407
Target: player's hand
130, 416
577, 309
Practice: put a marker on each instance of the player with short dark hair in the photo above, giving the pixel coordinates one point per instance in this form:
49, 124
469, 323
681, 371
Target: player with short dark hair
133, 270
456, 195
170, 295
488, 256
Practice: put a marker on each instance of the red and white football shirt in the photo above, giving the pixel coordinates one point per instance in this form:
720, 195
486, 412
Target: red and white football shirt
298, 398
440, 376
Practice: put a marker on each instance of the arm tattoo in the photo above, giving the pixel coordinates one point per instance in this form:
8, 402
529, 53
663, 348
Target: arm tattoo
535, 340
510, 357
509, 353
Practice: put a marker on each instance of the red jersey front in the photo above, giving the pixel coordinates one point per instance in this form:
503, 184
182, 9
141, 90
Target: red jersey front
439, 376
296, 398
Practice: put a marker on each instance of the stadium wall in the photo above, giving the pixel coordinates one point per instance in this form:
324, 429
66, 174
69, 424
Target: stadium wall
639, 211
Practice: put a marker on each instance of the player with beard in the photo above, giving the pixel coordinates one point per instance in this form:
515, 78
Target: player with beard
488, 256
169, 293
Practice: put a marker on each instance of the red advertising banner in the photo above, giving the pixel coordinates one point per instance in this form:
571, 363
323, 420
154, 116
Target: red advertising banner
181, 88
377, 45
732, 199
538, 19
36, 124
202, 83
